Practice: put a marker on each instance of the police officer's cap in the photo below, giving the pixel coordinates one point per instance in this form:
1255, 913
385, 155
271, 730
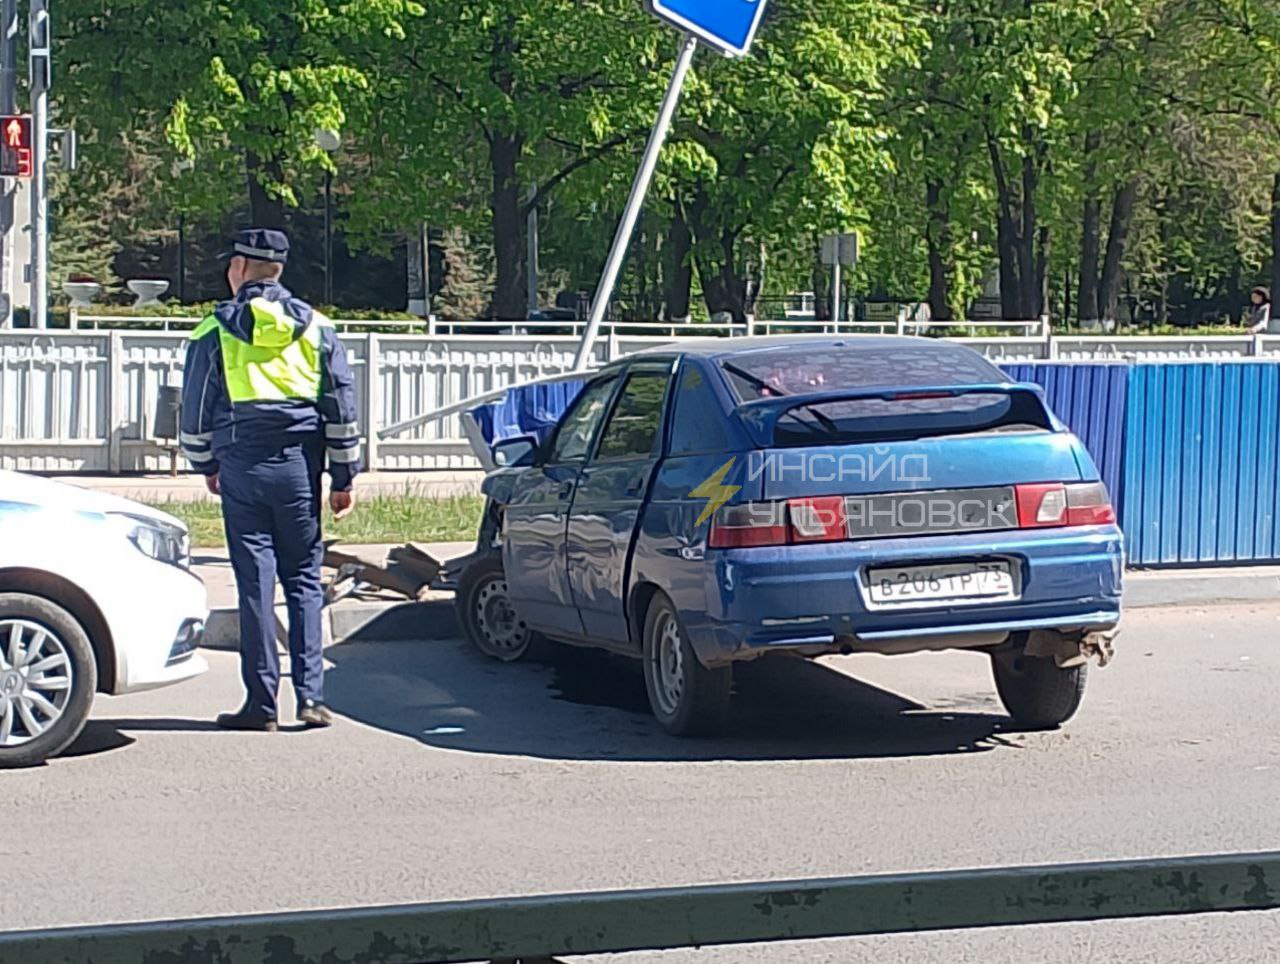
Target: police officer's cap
259, 244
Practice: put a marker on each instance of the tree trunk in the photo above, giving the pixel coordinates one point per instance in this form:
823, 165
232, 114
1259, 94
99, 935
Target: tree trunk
938, 235
1006, 237
509, 300
266, 210
1275, 239
1090, 235
722, 287
1117, 239
1029, 273
1045, 248
679, 268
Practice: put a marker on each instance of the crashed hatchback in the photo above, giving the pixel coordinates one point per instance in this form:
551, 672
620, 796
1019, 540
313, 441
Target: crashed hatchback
712, 502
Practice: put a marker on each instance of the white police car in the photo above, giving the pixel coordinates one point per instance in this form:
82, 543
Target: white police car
96, 596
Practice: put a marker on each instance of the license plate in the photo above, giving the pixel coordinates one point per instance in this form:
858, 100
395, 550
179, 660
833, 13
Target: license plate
959, 583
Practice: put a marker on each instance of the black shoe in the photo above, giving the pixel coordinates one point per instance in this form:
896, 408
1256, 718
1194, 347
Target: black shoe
313, 714
247, 719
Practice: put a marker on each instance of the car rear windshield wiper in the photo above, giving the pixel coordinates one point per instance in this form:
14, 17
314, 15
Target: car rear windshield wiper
755, 381
819, 423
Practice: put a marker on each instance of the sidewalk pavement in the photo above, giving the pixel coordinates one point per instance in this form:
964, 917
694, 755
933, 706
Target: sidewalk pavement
390, 619
186, 487
1190, 587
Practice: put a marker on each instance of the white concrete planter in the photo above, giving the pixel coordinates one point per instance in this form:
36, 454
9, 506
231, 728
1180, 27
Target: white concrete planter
146, 291
81, 293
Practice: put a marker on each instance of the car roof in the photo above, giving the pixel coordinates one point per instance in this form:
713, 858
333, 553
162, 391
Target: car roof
717, 348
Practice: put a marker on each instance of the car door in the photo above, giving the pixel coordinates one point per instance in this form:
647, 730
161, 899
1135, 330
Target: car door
610, 493
534, 521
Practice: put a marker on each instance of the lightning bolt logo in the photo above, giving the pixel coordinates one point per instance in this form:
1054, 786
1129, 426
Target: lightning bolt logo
715, 492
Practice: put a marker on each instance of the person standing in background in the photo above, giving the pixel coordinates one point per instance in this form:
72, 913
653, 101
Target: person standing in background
1259, 311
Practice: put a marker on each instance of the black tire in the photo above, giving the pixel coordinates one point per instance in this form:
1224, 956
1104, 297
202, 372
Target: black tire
687, 698
1036, 692
24, 611
487, 617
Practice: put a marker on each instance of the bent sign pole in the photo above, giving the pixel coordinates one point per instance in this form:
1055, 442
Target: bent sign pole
639, 188
728, 27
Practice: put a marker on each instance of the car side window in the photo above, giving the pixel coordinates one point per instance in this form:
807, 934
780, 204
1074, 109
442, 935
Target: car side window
635, 425
578, 427
699, 424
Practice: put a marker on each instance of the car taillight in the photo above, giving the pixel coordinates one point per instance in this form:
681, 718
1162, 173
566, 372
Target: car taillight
1089, 504
793, 522
818, 520
1056, 504
749, 525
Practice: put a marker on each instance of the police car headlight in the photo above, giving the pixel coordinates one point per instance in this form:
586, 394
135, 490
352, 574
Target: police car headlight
163, 543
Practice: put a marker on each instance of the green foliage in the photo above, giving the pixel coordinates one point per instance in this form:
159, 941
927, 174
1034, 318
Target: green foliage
956, 135
234, 87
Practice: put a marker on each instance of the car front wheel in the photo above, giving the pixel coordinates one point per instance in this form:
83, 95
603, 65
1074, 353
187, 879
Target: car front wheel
486, 614
687, 698
47, 679
1038, 694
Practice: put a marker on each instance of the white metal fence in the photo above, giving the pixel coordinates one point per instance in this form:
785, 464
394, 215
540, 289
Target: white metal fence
86, 401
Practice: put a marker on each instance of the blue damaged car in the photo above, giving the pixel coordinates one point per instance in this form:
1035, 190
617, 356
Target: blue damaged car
710, 502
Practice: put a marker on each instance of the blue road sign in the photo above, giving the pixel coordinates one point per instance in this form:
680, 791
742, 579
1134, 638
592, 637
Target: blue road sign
727, 25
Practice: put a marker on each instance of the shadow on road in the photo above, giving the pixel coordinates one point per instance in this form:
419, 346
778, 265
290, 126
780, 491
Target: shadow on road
588, 705
106, 735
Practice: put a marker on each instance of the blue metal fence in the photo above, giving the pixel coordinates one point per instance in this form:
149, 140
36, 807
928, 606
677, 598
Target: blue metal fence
1200, 479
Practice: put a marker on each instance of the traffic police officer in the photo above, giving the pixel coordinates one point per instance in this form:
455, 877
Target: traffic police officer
267, 399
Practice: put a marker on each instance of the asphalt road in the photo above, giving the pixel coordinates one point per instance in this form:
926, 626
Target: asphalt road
452, 777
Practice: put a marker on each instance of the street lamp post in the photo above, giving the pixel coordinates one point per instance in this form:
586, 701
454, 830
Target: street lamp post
180, 167
329, 142
328, 237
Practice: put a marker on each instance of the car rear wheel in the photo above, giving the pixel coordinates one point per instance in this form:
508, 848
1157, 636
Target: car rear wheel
488, 619
687, 698
1038, 694
47, 679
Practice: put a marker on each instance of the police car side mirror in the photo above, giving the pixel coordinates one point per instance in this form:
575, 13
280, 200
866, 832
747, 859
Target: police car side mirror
514, 451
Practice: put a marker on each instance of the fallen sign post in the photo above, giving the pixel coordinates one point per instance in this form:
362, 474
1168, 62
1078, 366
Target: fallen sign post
728, 27
533, 928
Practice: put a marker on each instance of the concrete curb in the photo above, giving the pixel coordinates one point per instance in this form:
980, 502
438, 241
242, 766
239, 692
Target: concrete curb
1188, 587
354, 622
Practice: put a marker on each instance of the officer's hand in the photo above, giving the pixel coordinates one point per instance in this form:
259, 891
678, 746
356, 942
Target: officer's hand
212, 483
342, 503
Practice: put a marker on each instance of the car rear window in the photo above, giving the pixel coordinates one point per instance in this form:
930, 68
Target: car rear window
797, 371
898, 419
803, 371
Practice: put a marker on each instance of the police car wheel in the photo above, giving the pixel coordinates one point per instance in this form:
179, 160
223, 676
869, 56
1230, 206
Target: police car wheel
48, 676
486, 614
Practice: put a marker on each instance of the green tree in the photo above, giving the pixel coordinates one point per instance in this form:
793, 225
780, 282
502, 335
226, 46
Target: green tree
238, 89
487, 98
774, 149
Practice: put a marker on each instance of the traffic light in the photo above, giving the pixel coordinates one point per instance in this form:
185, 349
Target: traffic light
15, 145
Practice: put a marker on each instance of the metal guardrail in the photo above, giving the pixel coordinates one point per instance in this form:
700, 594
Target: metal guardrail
533, 928
81, 320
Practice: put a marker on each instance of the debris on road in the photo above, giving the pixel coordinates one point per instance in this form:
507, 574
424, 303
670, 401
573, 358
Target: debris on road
409, 571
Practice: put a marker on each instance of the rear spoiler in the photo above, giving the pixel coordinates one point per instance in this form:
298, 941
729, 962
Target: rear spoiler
761, 415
